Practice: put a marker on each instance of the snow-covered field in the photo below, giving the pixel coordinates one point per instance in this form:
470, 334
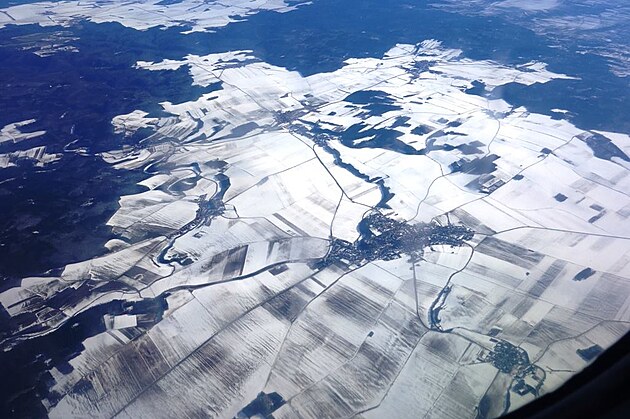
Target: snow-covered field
251, 311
